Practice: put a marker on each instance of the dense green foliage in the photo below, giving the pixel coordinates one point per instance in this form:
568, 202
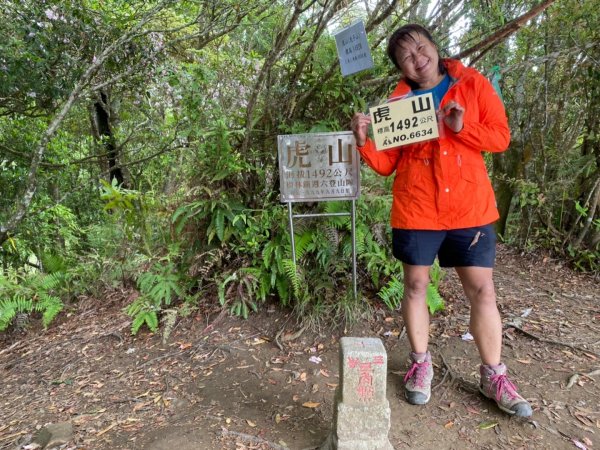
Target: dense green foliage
138, 147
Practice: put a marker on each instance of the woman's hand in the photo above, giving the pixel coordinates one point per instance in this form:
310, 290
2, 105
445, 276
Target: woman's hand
360, 125
453, 114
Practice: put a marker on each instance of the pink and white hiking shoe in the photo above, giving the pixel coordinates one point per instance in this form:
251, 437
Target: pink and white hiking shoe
496, 386
417, 387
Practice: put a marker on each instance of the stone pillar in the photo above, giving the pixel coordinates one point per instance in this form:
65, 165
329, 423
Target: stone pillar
361, 413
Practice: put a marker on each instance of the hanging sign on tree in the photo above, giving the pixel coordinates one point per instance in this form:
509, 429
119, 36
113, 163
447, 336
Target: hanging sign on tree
353, 49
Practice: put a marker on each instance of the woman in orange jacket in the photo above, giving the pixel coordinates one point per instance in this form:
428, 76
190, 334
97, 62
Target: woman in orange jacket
444, 206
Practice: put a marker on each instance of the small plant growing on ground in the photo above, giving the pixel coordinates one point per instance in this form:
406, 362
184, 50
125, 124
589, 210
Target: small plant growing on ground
158, 288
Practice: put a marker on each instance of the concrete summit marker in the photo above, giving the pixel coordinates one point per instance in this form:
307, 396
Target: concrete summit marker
361, 414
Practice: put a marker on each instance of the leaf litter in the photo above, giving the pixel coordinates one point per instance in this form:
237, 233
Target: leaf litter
121, 391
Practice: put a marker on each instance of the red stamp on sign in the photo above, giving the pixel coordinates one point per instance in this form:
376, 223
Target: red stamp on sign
365, 389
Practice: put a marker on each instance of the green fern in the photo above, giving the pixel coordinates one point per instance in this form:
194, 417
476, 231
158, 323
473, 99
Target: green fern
158, 287
49, 306
360, 240
54, 263
161, 285
46, 282
337, 207
435, 302
221, 294
392, 293
219, 224
246, 284
302, 243
150, 318
9, 308
35, 293
291, 272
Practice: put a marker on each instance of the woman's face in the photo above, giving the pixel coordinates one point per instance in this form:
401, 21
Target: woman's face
418, 59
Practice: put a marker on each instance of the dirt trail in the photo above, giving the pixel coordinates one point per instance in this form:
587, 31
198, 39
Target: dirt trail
239, 384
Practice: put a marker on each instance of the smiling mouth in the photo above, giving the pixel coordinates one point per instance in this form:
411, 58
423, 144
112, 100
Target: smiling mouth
421, 67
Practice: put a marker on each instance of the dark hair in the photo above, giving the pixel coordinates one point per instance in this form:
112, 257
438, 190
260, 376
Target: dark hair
404, 34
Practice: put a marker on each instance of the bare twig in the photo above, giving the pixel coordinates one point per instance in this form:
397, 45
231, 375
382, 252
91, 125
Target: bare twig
550, 341
446, 373
576, 376
252, 439
220, 317
467, 385
402, 333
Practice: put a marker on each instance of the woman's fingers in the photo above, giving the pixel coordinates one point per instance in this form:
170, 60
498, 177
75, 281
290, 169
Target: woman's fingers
453, 113
453, 106
359, 125
360, 119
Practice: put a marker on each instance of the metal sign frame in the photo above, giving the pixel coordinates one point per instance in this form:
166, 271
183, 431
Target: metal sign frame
318, 146
352, 215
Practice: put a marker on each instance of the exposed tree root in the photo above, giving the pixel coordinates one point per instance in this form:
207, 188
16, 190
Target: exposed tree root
466, 385
576, 376
248, 438
549, 341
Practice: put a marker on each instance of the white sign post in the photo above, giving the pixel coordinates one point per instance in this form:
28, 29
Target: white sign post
404, 121
319, 167
353, 49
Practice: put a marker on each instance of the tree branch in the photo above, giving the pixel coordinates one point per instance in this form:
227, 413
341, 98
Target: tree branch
508, 29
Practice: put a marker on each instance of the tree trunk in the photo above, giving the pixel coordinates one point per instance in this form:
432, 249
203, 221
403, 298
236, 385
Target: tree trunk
103, 133
504, 193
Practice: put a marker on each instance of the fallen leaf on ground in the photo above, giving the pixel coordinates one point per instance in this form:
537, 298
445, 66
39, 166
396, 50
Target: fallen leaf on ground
107, 429
579, 444
472, 410
310, 404
487, 425
249, 422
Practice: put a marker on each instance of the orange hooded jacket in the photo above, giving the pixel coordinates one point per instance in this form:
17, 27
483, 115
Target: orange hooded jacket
443, 184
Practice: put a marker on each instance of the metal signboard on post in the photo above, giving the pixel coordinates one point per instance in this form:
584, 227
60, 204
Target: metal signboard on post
319, 167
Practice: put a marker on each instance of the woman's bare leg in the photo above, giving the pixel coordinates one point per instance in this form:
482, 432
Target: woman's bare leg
414, 306
485, 324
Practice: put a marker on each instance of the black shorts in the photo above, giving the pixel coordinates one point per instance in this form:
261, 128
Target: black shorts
465, 247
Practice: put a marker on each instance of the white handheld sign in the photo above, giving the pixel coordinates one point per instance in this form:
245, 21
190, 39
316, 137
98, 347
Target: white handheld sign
405, 121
